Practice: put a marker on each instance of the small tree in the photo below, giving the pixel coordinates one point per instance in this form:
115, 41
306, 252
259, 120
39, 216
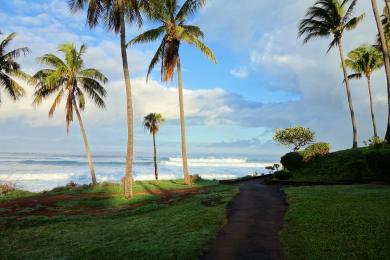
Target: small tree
294, 137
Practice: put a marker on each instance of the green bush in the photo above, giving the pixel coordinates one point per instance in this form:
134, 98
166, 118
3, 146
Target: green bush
357, 169
283, 175
315, 151
292, 161
379, 162
376, 142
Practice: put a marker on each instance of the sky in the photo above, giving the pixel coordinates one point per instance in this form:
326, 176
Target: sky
264, 79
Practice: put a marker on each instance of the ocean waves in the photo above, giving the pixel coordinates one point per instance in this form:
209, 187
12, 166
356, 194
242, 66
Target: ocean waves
38, 172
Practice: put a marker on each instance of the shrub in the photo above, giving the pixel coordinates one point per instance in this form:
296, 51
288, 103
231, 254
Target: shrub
315, 150
376, 142
294, 137
6, 188
283, 175
357, 169
292, 161
195, 178
379, 162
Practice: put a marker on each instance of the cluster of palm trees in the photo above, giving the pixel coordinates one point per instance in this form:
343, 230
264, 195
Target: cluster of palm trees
330, 19
68, 78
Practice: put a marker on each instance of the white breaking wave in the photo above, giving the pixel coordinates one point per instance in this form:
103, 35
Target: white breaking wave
35, 176
216, 162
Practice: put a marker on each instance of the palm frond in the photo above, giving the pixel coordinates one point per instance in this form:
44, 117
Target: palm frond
193, 40
354, 22
52, 61
189, 8
12, 88
148, 36
156, 58
56, 102
14, 54
94, 74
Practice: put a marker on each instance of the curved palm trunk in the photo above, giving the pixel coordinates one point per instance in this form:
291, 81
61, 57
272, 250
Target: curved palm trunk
388, 5
88, 151
187, 178
128, 180
155, 157
372, 106
347, 86
386, 59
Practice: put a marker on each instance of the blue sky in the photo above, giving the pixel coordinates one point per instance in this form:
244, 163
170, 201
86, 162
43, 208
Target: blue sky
264, 79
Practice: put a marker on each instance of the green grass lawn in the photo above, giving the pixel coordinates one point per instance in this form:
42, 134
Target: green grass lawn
337, 222
176, 229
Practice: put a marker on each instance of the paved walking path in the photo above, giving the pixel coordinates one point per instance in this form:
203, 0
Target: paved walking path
255, 217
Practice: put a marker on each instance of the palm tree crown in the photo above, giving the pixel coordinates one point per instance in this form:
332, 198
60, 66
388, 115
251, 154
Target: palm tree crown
68, 78
10, 69
152, 122
109, 11
173, 31
364, 60
328, 18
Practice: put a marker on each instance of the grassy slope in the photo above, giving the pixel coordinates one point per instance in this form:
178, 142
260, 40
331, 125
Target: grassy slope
338, 222
347, 165
151, 231
109, 188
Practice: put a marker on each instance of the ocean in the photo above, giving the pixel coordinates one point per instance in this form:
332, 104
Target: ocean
38, 172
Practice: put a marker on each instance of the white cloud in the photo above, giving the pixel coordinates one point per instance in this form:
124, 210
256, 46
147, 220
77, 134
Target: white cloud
240, 72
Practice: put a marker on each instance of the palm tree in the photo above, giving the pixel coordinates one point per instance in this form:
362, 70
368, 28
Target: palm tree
10, 69
364, 60
330, 18
174, 30
386, 59
70, 80
115, 14
152, 123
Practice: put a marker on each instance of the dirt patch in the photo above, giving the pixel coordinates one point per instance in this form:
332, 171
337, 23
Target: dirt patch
47, 205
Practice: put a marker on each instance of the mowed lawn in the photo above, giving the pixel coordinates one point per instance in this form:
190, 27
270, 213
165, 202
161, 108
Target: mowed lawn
337, 222
165, 221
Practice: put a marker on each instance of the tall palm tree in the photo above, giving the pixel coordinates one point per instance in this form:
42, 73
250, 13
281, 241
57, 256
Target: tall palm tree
10, 69
364, 60
386, 58
70, 80
330, 18
152, 123
173, 31
115, 14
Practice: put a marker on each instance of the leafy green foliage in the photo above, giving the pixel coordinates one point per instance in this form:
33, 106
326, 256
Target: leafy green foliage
315, 151
295, 137
364, 60
68, 79
376, 142
292, 161
329, 18
337, 222
10, 69
367, 163
173, 31
152, 122
283, 175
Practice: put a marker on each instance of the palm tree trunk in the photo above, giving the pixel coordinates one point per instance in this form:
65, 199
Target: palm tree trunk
372, 106
187, 178
388, 6
386, 59
155, 157
88, 151
128, 180
347, 86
